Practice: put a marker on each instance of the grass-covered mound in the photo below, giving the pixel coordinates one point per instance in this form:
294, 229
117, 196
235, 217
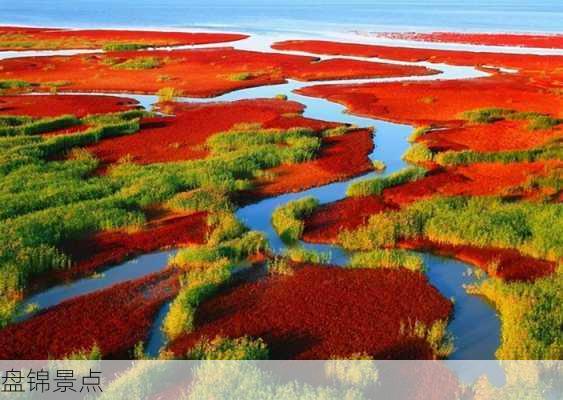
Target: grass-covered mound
531, 315
532, 228
376, 186
207, 268
287, 218
536, 121
387, 258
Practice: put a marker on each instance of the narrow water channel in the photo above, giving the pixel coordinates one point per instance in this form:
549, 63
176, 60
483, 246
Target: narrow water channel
475, 325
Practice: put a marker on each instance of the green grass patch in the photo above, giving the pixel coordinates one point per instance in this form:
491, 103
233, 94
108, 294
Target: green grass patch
376, 186
94, 353
486, 115
418, 153
535, 229
25, 41
294, 145
223, 225
200, 284
48, 202
207, 269
338, 131
220, 348
234, 250
287, 218
36, 126
138, 63
387, 258
120, 46
542, 122
144, 379
201, 200
302, 255
279, 266
14, 84
378, 166
167, 94
531, 316
465, 157
436, 335
116, 118
418, 133
56, 84
240, 76
14, 120
229, 169
551, 182
536, 121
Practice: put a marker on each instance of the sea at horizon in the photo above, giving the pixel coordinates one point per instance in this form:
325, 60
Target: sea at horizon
292, 16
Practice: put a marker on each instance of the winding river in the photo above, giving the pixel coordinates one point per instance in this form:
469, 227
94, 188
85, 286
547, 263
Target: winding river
475, 324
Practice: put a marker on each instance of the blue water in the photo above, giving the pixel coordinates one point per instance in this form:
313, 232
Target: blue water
292, 15
136, 268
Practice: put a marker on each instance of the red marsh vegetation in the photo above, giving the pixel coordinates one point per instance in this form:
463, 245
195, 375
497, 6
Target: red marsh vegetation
182, 136
197, 72
507, 264
477, 179
327, 222
114, 319
534, 87
441, 102
324, 225
111, 247
320, 312
489, 39
24, 38
498, 136
526, 63
52, 106
340, 158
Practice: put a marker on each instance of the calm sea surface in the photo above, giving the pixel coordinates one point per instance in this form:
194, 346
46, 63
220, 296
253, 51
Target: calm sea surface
292, 15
